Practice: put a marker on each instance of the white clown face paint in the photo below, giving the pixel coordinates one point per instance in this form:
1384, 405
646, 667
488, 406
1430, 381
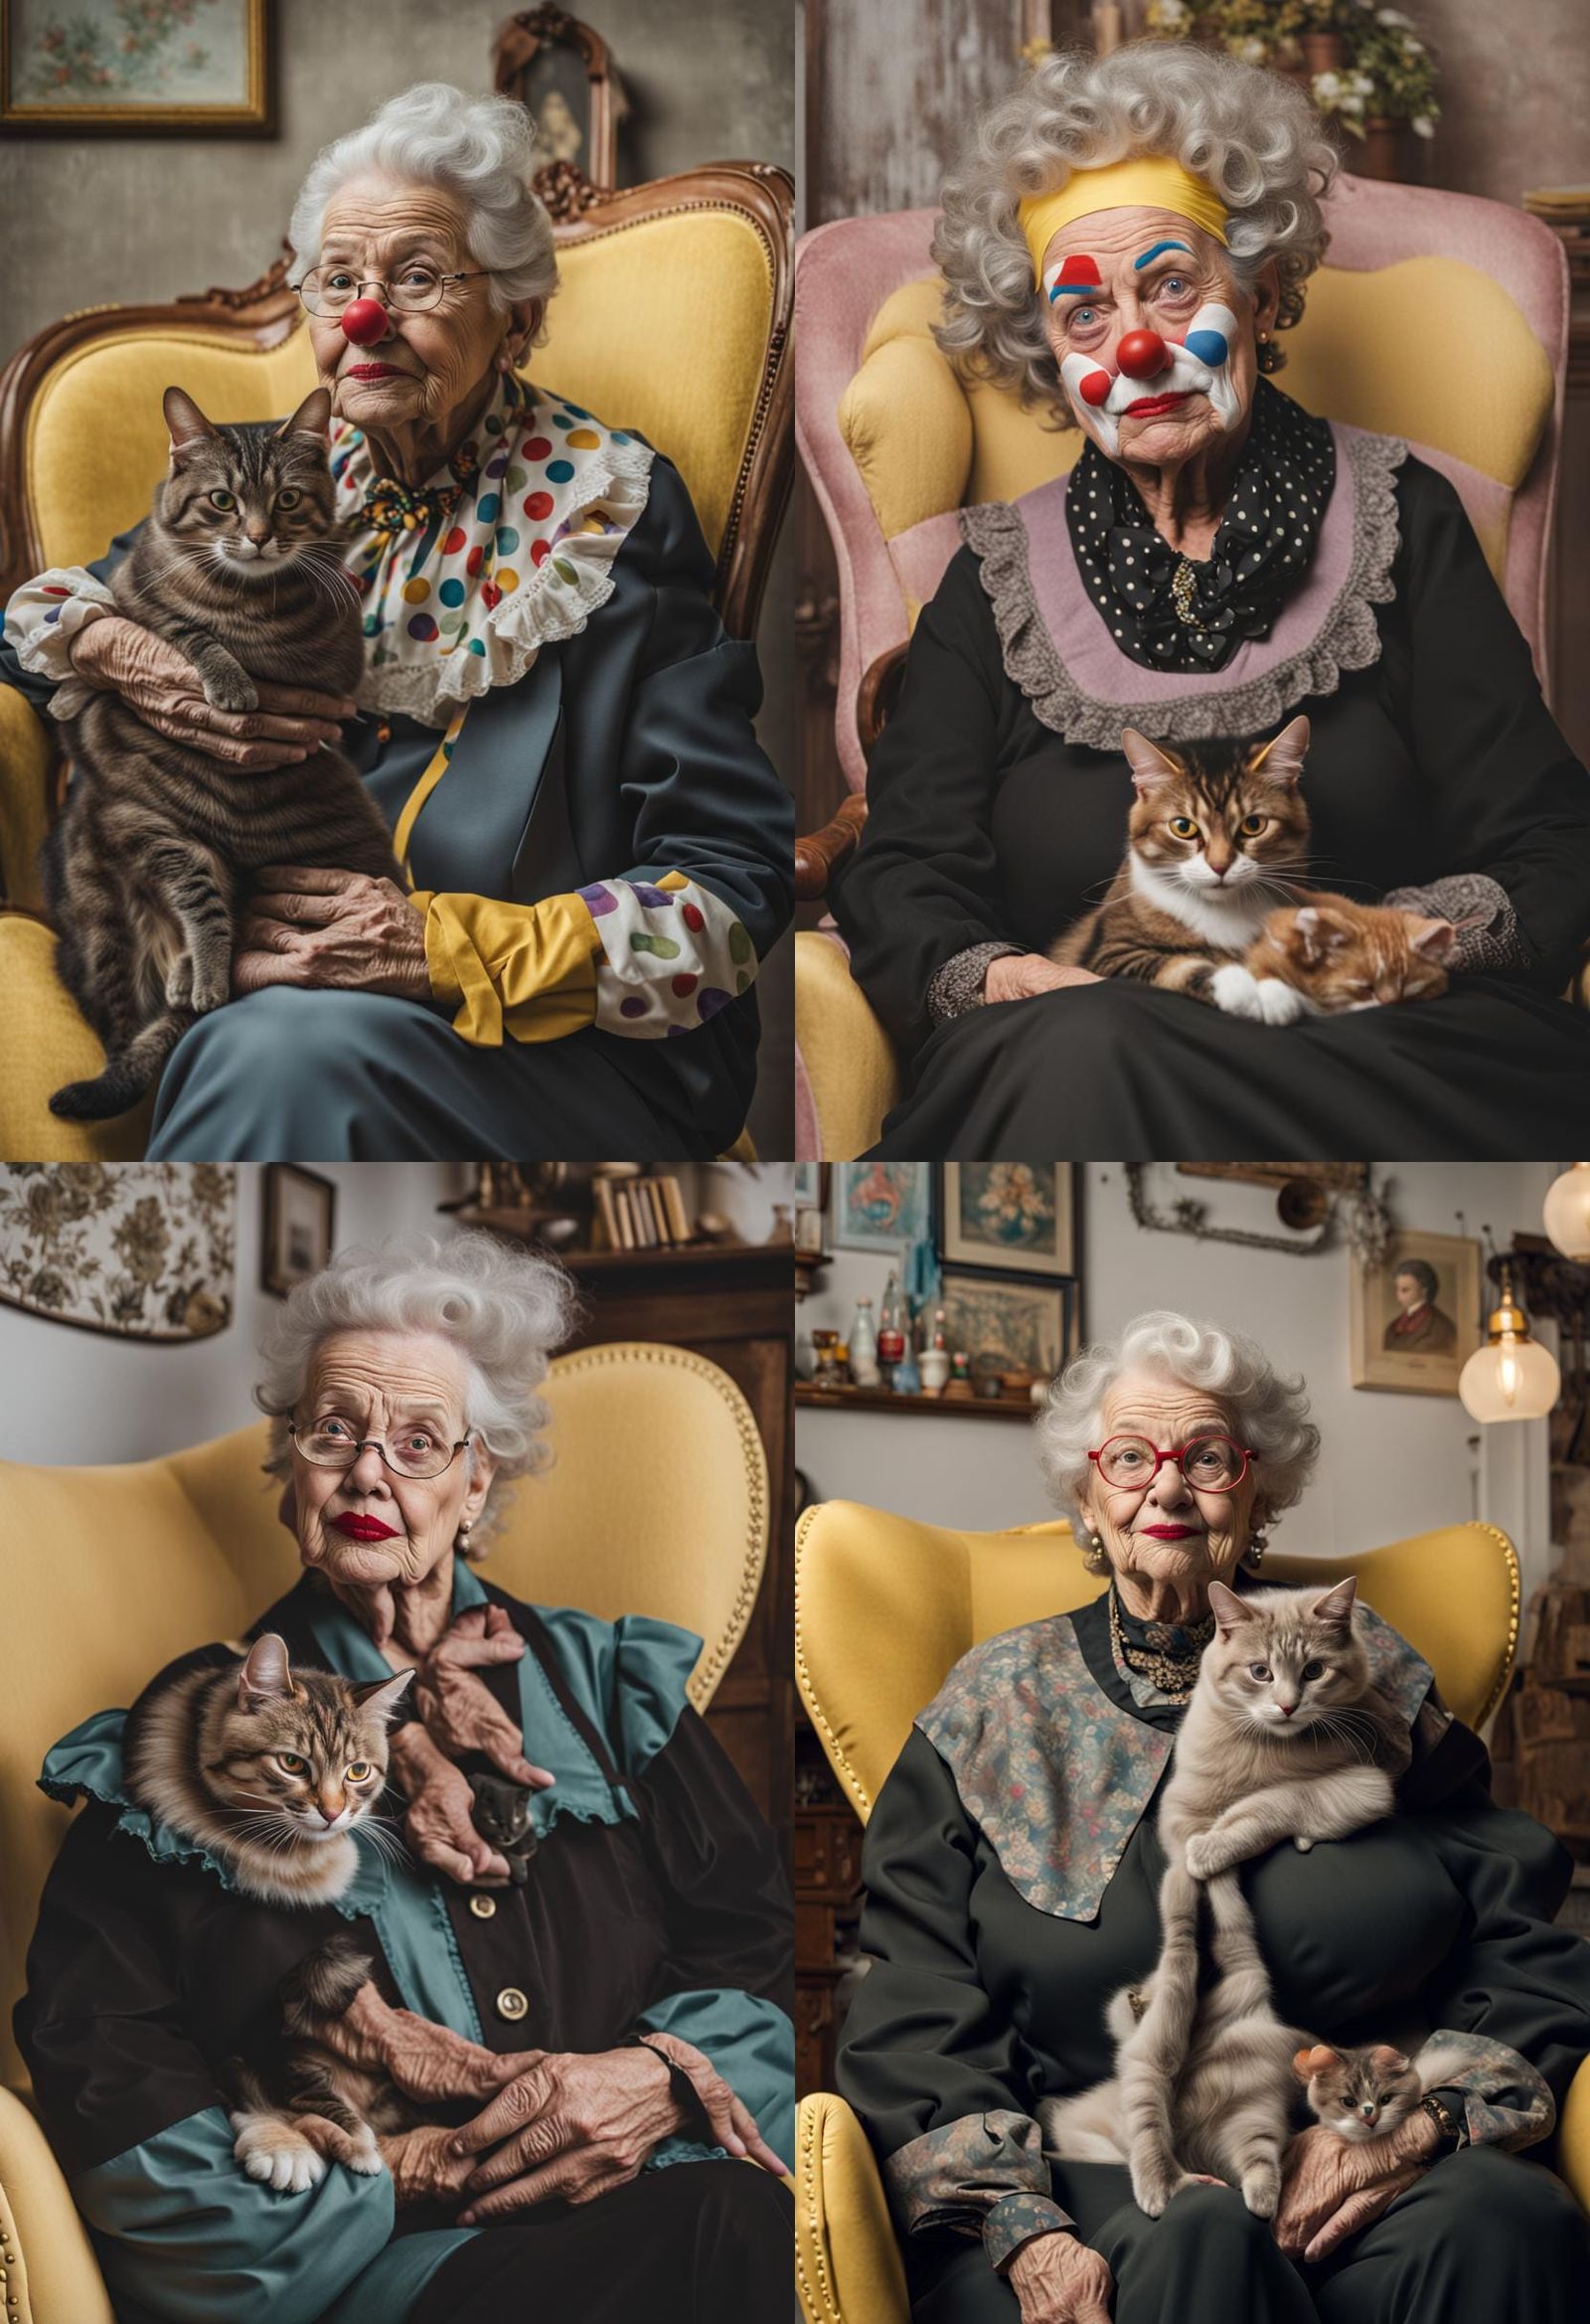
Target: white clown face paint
1199, 364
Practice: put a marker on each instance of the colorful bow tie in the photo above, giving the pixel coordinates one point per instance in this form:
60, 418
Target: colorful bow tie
390, 507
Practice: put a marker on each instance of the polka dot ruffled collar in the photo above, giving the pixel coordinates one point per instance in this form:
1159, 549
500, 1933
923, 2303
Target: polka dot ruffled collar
508, 548
1172, 612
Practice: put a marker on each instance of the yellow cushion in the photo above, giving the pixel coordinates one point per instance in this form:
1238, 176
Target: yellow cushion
47, 2271
849, 1057
656, 1503
863, 1576
847, 2263
44, 1043
926, 444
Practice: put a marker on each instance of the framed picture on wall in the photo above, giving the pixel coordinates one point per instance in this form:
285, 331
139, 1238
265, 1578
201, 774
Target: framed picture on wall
1028, 1327
135, 67
300, 1219
880, 1206
562, 72
1415, 1318
1019, 1218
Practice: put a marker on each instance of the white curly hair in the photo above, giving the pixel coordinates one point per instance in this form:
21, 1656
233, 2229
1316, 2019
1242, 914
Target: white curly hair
481, 150
1269, 1412
504, 1310
1252, 136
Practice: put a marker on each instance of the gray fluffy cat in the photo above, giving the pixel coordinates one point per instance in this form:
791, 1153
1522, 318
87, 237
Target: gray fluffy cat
240, 568
1284, 1738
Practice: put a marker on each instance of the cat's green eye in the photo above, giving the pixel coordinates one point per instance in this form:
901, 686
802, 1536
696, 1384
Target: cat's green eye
1184, 827
288, 499
222, 500
1259, 1670
290, 1763
1253, 825
358, 1770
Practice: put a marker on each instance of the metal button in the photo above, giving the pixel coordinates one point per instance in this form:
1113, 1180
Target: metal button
483, 1907
511, 2003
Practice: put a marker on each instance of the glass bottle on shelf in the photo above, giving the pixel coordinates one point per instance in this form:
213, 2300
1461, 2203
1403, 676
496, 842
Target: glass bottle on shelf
864, 1346
936, 1357
890, 1330
907, 1380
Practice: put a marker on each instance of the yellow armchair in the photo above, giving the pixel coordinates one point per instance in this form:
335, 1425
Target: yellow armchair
884, 1606
705, 378
896, 444
657, 1504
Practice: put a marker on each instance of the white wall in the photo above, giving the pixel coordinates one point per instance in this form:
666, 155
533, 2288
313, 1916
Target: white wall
1391, 1464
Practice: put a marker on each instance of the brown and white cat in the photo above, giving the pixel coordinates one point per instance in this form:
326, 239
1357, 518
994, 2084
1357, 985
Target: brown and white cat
1211, 898
1285, 1737
240, 568
270, 1769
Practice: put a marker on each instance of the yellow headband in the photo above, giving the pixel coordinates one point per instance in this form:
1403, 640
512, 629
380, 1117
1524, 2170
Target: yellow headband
1153, 182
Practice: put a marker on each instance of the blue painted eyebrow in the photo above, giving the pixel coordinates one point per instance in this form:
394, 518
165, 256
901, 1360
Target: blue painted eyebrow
1149, 255
1074, 290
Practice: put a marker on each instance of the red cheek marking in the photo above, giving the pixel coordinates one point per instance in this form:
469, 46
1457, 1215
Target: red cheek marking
1095, 387
1080, 269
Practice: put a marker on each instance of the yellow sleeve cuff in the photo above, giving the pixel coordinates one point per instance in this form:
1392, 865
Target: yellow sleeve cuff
520, 971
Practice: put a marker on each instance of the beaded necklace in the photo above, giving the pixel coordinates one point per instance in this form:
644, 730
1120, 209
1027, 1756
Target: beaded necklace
1173, 1673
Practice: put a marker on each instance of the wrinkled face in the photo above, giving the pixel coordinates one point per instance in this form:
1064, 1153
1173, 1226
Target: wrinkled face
1169, 1531
426, 369
1154, 339
364, 1525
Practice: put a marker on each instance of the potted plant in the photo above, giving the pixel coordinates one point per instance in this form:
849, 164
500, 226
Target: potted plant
1394, 67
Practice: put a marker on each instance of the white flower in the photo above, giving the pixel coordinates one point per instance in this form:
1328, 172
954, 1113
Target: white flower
1253, 51
1363, 84
1327, 86
1422, 125
1413, 48
1395, 17
1171, 12
1352, 104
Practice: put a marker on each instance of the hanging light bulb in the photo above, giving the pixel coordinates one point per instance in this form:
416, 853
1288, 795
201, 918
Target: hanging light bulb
1512, 1378
1567, 1212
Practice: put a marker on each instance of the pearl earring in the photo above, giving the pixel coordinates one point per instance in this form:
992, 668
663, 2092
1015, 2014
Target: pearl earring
464, 1532
1258, 1542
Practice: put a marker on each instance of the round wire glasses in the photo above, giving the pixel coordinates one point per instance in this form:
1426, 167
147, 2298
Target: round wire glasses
1211, 1464
415, 287
417, 1453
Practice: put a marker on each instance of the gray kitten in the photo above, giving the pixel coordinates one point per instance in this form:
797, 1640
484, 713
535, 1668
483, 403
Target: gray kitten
1285, 1737
240, 568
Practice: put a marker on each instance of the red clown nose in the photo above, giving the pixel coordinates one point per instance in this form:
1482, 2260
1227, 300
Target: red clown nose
365, 321
1139, 355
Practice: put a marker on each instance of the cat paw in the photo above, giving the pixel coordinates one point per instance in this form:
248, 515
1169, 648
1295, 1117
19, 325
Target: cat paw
1278, 1004
274, 2152
1302, 1842
1204, 1856
179, 982
210, 992
231, 692
1261, 2190
364, 2155
1232, 989
1152, 2196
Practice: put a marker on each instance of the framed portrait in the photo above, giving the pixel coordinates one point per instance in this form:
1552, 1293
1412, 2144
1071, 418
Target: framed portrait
300, 1220
881, 1206
1029, 1327
1019, 1218
136, 68
1415, 1318
561, 71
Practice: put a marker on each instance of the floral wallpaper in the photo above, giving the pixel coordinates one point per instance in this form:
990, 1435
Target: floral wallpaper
142, 1250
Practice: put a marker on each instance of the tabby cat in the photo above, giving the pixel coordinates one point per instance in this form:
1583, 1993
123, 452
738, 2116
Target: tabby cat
1210, 899
1285, 1737
240, 569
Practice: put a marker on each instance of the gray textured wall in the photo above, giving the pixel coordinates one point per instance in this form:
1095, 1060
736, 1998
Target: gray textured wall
127, 219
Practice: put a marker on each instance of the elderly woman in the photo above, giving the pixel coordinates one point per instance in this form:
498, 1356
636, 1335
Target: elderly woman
1124, 246
551, 720
1013, 1870
646, 1960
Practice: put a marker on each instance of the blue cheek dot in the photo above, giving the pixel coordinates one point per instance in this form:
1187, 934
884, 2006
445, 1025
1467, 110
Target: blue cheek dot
1208, 347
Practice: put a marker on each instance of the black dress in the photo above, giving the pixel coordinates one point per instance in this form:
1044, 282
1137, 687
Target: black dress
999, 1931
998, 800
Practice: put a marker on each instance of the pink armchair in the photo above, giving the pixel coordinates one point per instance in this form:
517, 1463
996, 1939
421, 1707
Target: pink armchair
894, 444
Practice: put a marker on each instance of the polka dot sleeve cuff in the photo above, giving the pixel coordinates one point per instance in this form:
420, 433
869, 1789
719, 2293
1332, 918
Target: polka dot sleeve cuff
644, 958
44, 616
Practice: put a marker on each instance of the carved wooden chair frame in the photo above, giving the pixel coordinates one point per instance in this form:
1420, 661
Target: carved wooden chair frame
266, 312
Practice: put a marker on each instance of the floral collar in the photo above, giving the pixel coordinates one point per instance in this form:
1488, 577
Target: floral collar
507, 548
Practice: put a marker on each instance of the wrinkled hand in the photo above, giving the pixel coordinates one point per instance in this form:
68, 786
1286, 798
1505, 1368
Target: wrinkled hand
1331, 2188
1018, 977
115, 655
428, 2062
461, 1713
439, 1825
423, 2164
578, 2126
1058, 2279
314, 926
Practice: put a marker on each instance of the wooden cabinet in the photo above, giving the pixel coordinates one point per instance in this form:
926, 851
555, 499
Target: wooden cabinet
828, 1891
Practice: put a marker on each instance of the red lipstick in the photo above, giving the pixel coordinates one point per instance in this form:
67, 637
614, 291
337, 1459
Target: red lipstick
1146, 407
1168, 1533
372, 371
364, 1529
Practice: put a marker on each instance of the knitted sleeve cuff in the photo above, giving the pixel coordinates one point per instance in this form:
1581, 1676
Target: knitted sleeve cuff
957, 984
1481, 909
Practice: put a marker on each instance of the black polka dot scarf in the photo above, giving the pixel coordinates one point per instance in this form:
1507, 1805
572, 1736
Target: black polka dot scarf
1175, 613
